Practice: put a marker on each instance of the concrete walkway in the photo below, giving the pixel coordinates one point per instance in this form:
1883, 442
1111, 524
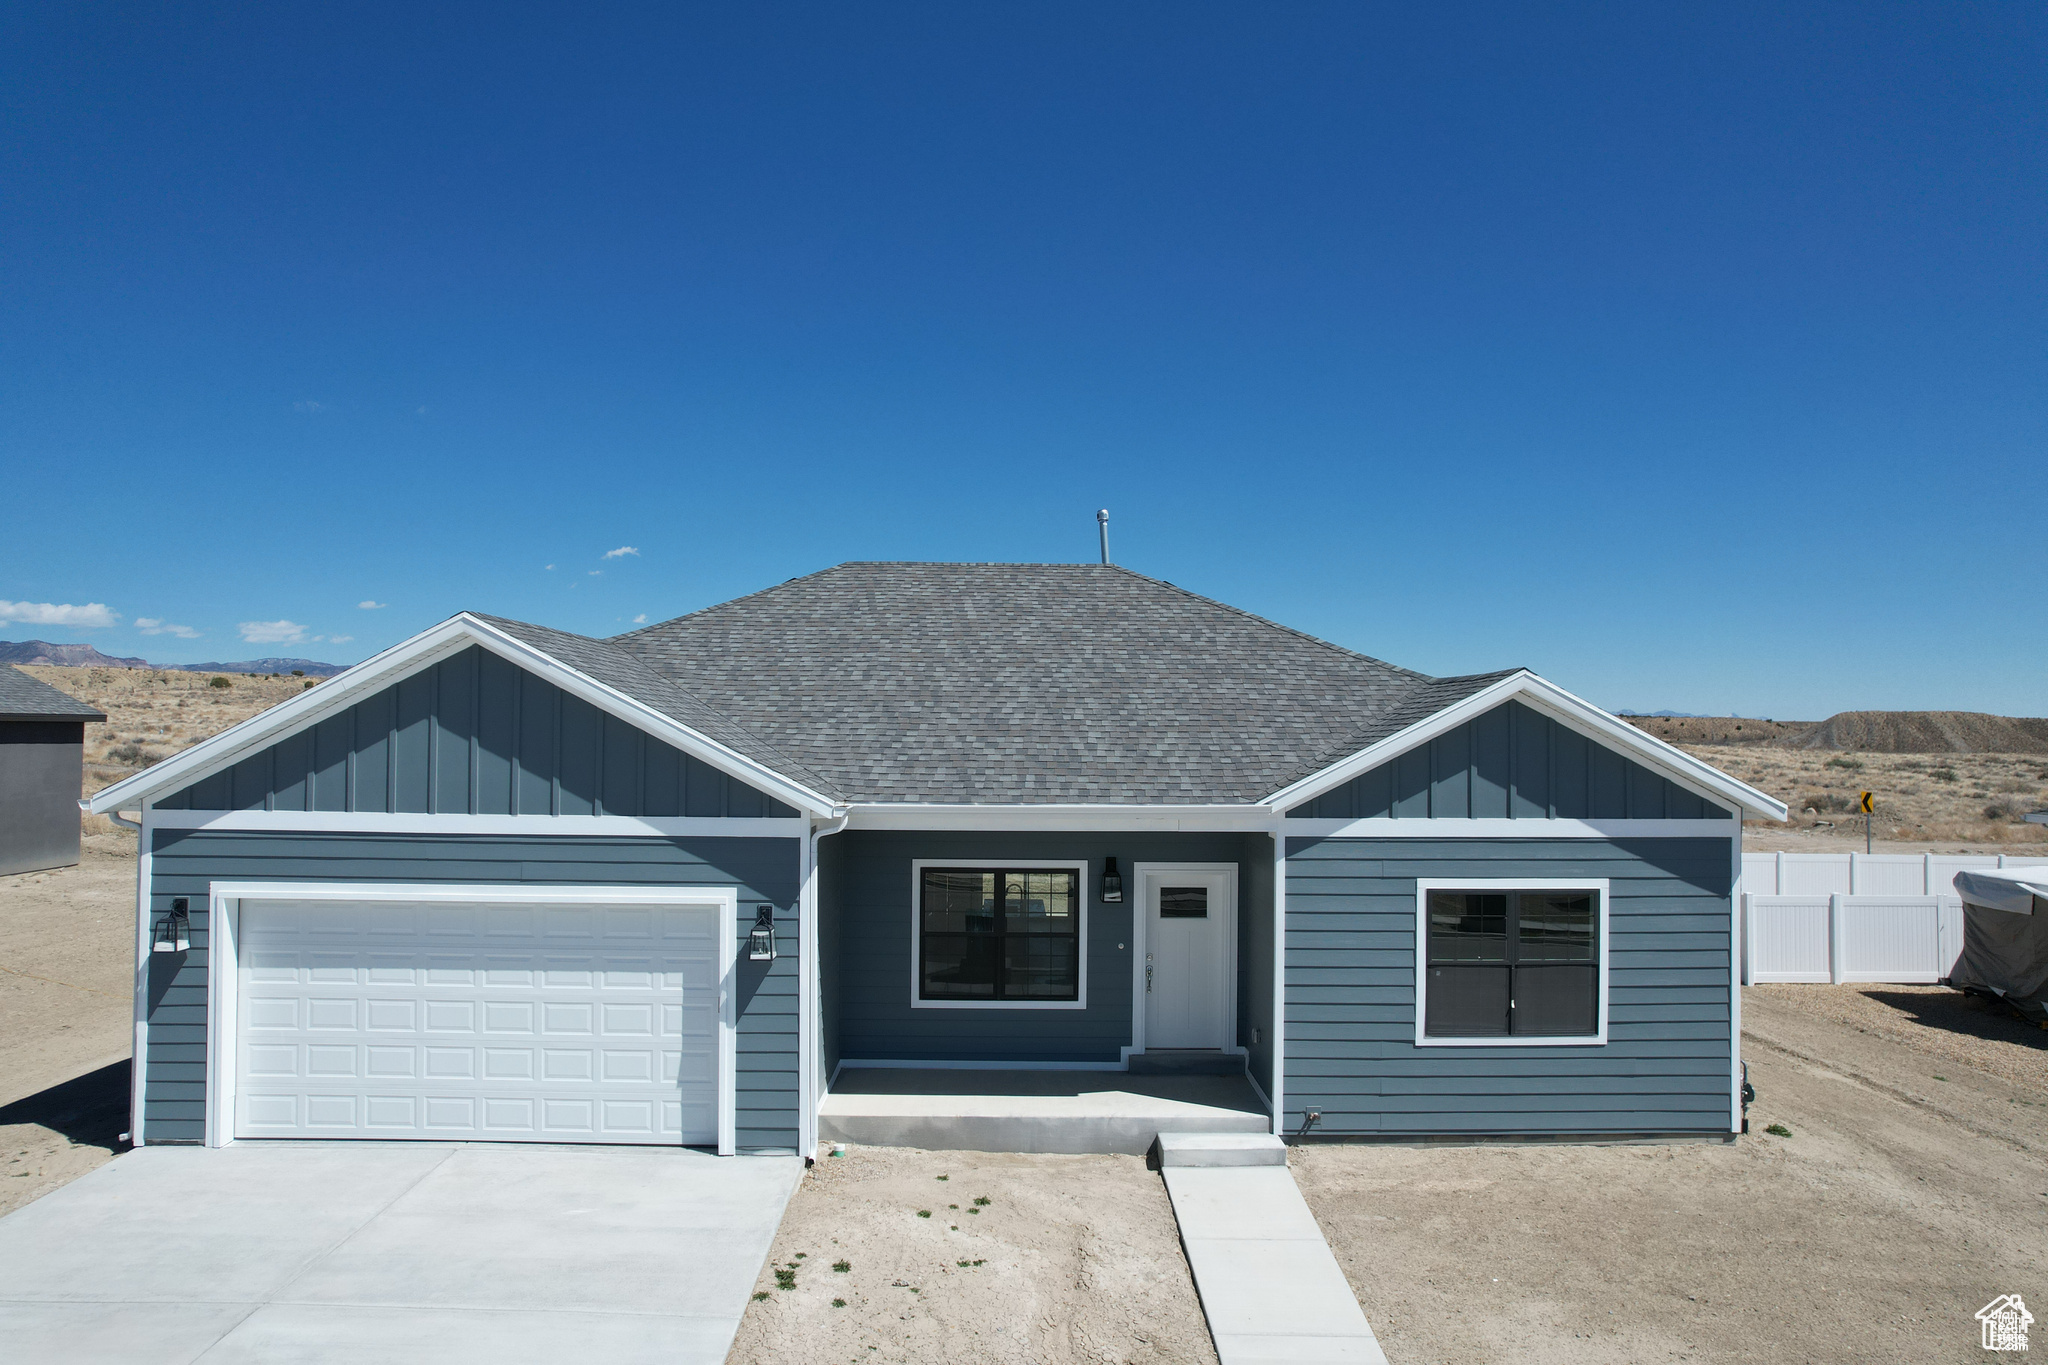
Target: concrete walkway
1271, 1289
298, 1253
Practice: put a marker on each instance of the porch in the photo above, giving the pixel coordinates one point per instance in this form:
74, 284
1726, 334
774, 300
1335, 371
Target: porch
1033, 1111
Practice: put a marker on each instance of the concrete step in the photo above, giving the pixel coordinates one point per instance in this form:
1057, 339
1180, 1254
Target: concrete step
1186, 1062
1221, 1149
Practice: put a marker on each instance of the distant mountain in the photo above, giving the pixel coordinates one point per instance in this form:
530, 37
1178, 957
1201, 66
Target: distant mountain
1685, 715
85, 656
309, 667
62, 656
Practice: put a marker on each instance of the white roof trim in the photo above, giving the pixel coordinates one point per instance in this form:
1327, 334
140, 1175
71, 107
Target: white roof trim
1574, 713
914, 815
403, 660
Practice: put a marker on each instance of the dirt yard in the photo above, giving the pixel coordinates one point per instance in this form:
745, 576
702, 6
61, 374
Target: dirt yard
1070, 1259
67, 938
1910, 1191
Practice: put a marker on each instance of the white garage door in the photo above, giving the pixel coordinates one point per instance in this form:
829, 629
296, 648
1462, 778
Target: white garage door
483, 1020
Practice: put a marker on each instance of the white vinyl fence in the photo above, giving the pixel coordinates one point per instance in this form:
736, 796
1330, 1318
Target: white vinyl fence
1854, 916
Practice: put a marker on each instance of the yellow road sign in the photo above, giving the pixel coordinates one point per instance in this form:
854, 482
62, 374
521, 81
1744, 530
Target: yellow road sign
1865, 803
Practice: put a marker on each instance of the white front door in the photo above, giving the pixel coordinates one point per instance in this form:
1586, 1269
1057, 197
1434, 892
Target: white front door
1189, 921
477, 1020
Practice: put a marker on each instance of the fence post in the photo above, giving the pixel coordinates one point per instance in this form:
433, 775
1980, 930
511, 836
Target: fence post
1835, 937
1778, 874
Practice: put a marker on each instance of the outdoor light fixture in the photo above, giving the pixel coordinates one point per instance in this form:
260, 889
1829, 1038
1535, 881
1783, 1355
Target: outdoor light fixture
1112, 883
761, 942
173, 932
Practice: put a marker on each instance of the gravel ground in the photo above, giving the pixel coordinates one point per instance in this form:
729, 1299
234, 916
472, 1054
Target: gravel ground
1073, 1258
1932, 1020
67, 938
1910, 1191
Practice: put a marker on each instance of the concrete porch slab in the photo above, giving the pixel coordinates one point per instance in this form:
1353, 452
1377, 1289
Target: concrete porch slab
1032, 1111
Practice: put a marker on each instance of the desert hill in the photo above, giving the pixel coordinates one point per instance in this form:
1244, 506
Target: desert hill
1924, 732
1869, 732
42, 652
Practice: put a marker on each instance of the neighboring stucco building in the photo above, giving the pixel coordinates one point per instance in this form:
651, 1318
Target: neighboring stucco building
42, 767
505, 882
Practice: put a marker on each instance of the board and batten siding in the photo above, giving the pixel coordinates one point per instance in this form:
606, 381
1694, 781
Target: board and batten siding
1350, 974
475, 735
765, 870
866, 883
1510, 763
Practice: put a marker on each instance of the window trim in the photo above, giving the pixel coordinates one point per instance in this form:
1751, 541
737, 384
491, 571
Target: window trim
1424, 885
1078, 866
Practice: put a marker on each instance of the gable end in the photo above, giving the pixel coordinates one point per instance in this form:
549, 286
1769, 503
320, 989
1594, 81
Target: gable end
1510, 763
475, 735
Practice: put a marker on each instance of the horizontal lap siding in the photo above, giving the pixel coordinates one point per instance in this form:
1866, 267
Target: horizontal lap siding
475, 735
1511, 763
764, 870
869, 991
1351, 943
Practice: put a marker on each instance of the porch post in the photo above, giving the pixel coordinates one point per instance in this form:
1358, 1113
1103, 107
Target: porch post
1279, 1020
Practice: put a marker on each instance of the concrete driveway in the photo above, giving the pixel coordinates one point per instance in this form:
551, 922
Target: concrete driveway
391, 1252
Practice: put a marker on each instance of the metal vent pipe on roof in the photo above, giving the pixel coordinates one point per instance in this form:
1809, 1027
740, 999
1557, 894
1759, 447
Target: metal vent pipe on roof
1102, 523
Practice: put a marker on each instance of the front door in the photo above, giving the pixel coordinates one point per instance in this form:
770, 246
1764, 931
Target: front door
1189, 920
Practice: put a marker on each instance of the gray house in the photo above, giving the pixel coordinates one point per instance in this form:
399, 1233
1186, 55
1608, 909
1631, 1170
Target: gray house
752, 874
42, 764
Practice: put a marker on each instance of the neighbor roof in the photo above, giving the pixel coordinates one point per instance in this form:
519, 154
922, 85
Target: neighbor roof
26, 698
1010, 683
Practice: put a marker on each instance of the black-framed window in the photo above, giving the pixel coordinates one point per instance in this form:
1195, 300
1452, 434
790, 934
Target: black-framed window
999, 934
1507, 964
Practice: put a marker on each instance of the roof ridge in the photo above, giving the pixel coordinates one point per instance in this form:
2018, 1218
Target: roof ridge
1264, 621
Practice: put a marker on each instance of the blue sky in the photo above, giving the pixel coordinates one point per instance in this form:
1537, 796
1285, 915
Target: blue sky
1691, 356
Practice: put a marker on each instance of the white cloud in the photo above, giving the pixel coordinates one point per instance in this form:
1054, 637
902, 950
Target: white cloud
273, 632
551, 567
339, 639
309, 406
367, 605
641, 619
91, 616
621, 552
595, 572
151, 625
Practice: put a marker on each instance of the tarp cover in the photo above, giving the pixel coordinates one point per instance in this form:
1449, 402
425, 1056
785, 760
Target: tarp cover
2011, 889
2005, 947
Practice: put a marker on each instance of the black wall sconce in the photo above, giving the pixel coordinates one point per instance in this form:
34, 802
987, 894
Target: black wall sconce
761, 941
172, 932
1112, 883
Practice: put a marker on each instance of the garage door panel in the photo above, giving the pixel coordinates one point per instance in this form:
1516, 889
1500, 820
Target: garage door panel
372, 1019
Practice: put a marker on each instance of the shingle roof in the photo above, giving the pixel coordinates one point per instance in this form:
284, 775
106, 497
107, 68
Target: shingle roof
1006, 683
26, 698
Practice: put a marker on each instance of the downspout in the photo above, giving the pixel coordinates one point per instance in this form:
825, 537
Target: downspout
811, 1068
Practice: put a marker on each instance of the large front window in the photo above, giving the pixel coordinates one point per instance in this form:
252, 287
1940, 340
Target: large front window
1512, 963
999, 934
